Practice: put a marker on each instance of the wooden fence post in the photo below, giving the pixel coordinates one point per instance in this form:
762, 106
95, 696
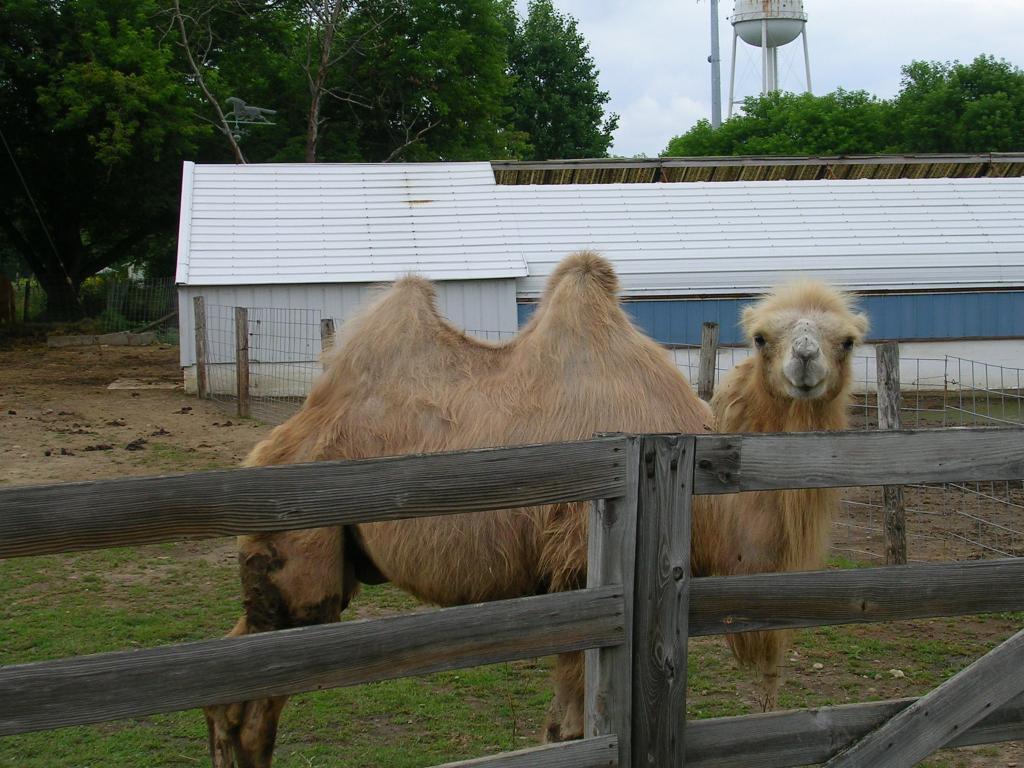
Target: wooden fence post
202, 380
661, 601
887, 365
326, 333
242, 359
610, 560
708, 360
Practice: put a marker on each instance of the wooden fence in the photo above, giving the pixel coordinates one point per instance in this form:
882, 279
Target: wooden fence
634, 618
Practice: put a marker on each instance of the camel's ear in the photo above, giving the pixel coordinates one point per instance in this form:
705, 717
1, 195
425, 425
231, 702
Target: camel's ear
862, 324
747, 319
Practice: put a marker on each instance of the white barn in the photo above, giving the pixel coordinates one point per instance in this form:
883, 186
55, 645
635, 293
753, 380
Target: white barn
939, 261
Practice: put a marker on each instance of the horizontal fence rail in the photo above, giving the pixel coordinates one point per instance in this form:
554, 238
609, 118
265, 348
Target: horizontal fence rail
811, 736
37, 520
598, 752
110, 686
728, 604
732, 463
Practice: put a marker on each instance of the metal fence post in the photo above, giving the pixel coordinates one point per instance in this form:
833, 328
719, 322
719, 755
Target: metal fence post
610, 560
661, 601
708, 360
242, 359
202, 380
887, 357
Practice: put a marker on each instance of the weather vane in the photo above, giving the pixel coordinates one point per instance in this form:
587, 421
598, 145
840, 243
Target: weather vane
243, 114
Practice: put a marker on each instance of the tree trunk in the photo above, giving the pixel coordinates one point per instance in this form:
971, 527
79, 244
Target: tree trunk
62, 301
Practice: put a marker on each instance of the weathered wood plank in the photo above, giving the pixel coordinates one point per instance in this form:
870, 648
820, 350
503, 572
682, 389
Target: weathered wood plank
67, 517
935, 719
887, 357
202, 382
598, 752
725, 604
731, 463
661, 601
91, 689
242, 360
611, 559
708, 360
326, 333
808, 736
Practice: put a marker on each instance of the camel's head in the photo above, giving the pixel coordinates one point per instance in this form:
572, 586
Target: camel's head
803, 334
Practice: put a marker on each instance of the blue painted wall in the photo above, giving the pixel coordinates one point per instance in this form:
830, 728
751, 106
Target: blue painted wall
894, 316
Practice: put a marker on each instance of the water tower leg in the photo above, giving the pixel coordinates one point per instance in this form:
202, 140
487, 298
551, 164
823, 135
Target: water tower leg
732, 74
807, 59
764, 56
716, 69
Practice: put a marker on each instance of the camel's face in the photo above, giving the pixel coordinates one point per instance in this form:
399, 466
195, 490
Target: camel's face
804, 350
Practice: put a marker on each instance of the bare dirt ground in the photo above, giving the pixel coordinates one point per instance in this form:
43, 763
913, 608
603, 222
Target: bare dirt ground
59, 422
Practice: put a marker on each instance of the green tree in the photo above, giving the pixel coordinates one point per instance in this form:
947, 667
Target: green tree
976, 107
434, 86
556, 100
842, 122
95, 122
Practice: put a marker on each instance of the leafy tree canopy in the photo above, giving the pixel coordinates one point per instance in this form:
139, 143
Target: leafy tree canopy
95, 121
976, 107
102, 100
556, 100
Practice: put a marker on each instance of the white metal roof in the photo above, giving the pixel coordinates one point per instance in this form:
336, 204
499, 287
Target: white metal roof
299, 223
741, 237
352, 223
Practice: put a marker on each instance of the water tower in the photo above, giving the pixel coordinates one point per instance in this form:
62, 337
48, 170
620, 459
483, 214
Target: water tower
768, 25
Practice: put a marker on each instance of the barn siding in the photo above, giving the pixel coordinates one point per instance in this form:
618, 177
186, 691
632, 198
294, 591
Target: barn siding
484, 307
925, 316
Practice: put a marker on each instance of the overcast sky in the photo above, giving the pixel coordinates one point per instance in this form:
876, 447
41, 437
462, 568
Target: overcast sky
652, 54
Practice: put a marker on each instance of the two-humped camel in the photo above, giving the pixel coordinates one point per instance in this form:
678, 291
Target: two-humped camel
402, 380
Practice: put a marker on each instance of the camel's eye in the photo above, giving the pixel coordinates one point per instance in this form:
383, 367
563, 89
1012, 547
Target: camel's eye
848, 344
759, 341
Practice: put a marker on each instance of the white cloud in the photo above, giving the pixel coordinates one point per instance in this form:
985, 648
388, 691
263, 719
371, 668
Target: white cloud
652, 54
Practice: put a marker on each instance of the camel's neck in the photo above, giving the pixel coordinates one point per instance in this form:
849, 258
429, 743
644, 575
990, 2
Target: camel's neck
795, 522
752, 407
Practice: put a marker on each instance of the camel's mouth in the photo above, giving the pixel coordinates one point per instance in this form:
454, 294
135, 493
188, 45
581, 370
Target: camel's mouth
806, 391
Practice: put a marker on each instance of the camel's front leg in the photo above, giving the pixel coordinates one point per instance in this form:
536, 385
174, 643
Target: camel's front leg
289, 579
565, 716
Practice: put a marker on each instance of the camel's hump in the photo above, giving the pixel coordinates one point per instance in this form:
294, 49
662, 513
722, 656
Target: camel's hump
585, 268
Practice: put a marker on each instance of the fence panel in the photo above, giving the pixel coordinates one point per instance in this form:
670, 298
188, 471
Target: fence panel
46, 519
109, 686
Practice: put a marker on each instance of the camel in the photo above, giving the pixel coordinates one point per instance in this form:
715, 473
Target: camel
399, 380
797, 380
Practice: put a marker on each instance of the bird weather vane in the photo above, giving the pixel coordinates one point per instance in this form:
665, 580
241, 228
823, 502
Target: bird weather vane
243, 114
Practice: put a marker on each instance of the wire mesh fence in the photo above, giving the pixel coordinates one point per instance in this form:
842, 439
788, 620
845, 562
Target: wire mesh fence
107, 303
133, 304
283, 346
949, 521
952, 521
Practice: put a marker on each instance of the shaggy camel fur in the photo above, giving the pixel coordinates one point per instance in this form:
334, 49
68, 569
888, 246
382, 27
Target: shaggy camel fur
402, 380
798, 380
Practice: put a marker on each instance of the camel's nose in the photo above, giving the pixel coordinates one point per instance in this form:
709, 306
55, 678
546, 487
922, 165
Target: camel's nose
806, 348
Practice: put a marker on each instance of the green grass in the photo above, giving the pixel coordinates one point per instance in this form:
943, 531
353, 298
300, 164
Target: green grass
118, 599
